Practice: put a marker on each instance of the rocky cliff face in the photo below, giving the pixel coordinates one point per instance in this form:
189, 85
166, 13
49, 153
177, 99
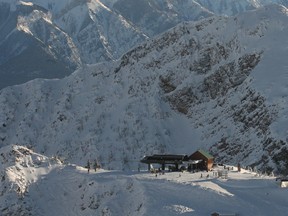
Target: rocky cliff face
218, 84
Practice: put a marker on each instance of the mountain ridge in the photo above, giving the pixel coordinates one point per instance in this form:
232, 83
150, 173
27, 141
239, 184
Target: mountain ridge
73, 33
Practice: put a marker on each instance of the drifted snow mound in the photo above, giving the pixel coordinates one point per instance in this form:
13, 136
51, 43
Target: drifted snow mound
20, 168
33, 184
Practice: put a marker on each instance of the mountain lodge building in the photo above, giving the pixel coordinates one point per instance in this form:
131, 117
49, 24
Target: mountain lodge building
206, 159
198, 160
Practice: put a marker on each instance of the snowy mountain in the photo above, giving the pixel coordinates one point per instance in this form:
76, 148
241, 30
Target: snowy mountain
53, 38
233, 7
218, 84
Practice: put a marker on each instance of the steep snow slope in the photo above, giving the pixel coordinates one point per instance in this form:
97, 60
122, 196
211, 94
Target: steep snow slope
217, 84
233, 7
155, 16
54, 38
31, 46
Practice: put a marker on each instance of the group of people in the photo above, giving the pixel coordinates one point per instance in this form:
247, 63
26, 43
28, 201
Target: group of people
95, 165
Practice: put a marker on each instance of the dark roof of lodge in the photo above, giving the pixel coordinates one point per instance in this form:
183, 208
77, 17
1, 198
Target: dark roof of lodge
175, 158
164, 158
204, 153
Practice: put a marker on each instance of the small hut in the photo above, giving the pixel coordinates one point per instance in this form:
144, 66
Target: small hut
206, 159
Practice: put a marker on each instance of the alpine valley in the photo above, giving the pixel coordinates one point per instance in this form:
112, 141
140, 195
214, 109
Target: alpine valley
219, 83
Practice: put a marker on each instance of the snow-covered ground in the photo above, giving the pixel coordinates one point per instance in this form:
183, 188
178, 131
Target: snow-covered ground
58, 189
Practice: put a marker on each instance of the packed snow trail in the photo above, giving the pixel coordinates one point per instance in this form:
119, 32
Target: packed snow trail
249, 195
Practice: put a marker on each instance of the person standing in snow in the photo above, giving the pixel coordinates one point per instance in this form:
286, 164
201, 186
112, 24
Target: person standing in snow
95, 165
88, 166
239, 167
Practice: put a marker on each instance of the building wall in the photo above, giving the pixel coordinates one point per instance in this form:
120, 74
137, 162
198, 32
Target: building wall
198, 156
210, 164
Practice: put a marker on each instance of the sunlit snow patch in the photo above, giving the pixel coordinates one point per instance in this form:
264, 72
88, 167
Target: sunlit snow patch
214, 187
179, 209
26, 3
